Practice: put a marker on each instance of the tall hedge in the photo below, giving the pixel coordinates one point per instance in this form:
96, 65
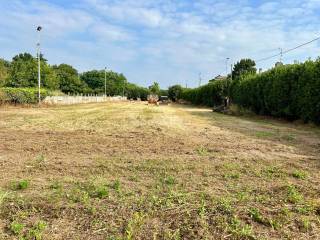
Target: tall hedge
21, 95
289, 91
211, 94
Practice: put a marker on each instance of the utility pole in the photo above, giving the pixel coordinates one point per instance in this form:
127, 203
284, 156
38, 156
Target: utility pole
200, 79
124, 82
39, 65
281, 54
105, 81
231, 71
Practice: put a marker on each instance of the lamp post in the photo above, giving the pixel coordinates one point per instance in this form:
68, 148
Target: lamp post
105, 81
227, 60
39, 28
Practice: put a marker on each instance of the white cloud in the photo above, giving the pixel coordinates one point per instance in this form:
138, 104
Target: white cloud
168, 41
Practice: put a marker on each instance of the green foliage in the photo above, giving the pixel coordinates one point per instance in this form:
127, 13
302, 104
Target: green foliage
211, 94
175, 92
4, 71
21, 95
164, 92
293, 195
299, 174
134, 92
155, 88
244, 67
20, 185
255, 214
17, 227
36, 231
23, 73
289, 91
95, 80
69, 81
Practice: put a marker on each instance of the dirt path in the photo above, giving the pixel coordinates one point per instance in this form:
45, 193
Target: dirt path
132, 171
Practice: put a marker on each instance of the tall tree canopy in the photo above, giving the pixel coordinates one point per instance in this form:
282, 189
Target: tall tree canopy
24, 72
95, 80
4, 71
244, 67
69, 80
155, 88
175, 92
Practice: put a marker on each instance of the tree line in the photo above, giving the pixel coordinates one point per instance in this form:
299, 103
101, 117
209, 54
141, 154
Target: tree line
288, 91
22, 72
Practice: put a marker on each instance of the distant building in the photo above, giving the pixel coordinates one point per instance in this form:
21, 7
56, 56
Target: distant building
278, 64
219, 77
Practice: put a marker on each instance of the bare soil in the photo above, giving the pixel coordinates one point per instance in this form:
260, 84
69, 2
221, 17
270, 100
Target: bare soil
133, 171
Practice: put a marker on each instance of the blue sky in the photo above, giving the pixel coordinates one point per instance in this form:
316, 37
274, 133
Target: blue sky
160, 40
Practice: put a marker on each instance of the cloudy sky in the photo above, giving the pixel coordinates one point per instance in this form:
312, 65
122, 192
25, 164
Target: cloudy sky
160, 40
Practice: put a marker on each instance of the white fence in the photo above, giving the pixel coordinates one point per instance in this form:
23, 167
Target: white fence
81, 99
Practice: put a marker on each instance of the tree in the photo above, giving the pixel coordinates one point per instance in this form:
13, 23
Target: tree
134, 92
244, 67
4, 71
96, 81
155, 88
24, 72
175, 92
68, 78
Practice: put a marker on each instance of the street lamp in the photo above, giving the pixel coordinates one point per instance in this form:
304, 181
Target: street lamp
39, 28
227, 59
105, 81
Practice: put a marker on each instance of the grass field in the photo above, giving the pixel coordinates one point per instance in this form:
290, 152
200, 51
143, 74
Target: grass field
131, 171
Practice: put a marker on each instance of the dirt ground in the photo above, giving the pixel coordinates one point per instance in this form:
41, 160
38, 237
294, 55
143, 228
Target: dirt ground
132, 171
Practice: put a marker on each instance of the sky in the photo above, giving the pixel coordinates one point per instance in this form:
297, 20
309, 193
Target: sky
167, 41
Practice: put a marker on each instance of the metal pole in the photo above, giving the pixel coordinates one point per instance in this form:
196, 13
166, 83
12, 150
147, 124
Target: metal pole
105, 81
124, 82
227, 59
200, 79
39, 64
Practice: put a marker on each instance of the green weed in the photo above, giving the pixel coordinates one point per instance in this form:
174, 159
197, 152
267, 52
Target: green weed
17, 228
299, 174
3, 196
255, 214
35, 233
293, 195
134, 225
20, 185
116, 185
202, 151
240, 230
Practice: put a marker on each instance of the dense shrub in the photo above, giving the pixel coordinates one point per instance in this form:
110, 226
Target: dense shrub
134, 92
211, 94
174, 92
21, 95
289, 91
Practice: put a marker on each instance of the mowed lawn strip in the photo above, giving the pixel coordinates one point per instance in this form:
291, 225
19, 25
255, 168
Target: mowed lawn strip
133, 171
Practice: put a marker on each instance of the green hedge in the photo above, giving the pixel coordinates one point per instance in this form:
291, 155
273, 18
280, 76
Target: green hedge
211, 94
21, 95
289, 91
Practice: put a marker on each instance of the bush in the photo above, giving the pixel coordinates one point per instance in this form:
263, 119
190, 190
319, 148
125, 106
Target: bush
174, 92
210, 95
289, 91
21, 95
134, 92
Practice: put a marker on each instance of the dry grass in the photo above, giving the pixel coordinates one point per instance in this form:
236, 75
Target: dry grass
132, 171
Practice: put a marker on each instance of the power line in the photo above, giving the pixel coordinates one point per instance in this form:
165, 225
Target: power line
289, 50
